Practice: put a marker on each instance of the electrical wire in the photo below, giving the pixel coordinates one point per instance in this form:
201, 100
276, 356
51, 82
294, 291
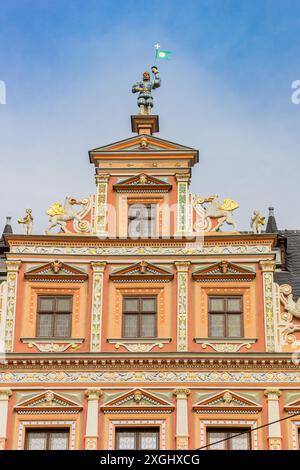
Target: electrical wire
245, 432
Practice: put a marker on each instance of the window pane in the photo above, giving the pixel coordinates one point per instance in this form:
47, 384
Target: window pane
239, 442
131, 305
62, 325
148, 440
217, 305
46, 304
234, 325
126, 440
36, 440
148, 305
214, 437
234, 305
59, 441
148, 326
63, 305
217, 325
130, 326
45, 324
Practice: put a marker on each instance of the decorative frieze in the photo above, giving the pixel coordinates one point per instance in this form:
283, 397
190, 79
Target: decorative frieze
148, 376
12, 281
134, 249
182, 305
268, 268
97, 303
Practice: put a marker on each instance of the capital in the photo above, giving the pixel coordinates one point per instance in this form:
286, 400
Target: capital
182, 266
102, 178
183, 177
181, 393
5, 393
272, 393
13, 266
93, 394
98, 266
267, 265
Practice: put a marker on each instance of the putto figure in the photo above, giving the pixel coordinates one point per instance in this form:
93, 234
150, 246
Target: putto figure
27, 221
144, 88
257, 222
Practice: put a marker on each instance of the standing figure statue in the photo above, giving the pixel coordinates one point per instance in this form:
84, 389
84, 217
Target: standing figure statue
144, 89
27, 221
257, 221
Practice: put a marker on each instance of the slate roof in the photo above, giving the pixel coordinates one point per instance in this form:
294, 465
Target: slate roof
3, 247
292, 274
289, 240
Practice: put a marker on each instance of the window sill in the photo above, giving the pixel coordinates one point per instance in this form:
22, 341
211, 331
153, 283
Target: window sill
226, 344
225, 340
139, 344
52, 344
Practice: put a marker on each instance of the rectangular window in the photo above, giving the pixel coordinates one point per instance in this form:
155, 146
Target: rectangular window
141, 220
47, 439
223, 439
137, 438
225, 317
54, 316
139, 317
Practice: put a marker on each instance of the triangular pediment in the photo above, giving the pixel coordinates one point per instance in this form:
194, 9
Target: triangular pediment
224, 270
142, 271
293, 407
142, 182
56, 270
226, 400
144, 143
48, 401
137, 399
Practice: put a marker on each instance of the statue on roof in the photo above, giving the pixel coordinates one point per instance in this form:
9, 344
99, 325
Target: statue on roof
27, 221
144, 89
257, 222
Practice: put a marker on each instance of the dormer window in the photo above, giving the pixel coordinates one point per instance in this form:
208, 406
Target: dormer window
141, 220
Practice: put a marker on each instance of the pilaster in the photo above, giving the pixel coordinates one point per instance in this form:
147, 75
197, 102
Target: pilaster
183, 181
101, 204
12, 281
274, 430
182, 429
268, 268
91, 433
4, 398
97, 305
182, 305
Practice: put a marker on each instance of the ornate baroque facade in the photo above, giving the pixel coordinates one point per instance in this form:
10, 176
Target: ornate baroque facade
139, 325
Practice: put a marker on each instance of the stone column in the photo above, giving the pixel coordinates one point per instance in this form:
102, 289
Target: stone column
183, 181
268, 268
91, 433
97, 303
12, 281
182, 424
101, 204
274, 430
182, 304
4, 397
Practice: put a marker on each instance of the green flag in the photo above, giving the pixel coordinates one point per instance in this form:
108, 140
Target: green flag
163, 54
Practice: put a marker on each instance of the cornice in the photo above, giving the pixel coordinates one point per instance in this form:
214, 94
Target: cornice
152, 361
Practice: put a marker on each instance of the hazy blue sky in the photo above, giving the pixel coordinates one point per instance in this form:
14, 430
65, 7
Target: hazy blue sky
69, 66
